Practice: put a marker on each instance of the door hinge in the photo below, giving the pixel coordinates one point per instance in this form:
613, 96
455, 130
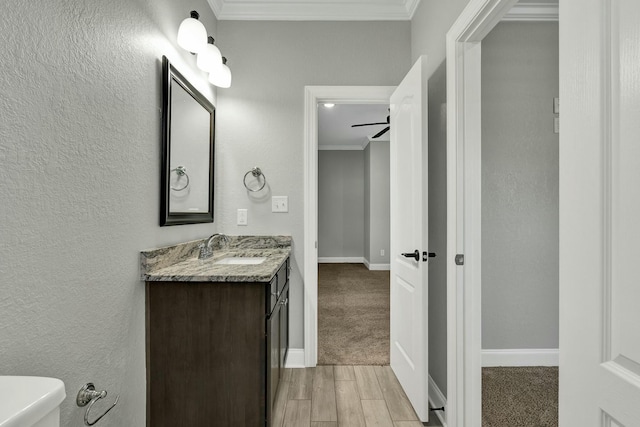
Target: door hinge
460, 259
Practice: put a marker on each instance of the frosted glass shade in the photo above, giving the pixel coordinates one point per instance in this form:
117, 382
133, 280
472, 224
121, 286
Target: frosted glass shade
209, 58
221, 77
192, 35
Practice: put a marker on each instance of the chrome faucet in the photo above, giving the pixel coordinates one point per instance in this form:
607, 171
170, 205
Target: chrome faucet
206, 251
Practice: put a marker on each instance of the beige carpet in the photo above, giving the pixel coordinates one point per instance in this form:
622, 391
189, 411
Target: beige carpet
353, 315
520, 397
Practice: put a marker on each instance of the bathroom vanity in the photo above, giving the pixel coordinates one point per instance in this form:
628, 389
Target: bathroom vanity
217, 332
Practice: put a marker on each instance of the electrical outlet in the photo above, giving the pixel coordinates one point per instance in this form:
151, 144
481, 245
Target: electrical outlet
556, 105
381, 252
280, 204
242, 217
556, 125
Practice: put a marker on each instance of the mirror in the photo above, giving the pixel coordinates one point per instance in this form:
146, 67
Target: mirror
188, 126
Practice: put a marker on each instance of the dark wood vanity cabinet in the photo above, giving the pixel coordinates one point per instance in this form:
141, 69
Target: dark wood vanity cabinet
215, 351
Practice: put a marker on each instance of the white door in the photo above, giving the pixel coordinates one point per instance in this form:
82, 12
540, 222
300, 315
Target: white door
599, 213
408, 155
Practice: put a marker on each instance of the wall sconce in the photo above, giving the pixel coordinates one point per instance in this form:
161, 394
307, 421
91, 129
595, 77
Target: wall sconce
221, 76
192, 35
210, 57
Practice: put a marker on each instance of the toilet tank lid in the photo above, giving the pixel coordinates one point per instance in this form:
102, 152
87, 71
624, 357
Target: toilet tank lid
26, 400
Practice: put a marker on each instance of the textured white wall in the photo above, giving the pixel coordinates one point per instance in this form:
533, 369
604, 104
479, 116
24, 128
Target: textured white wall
520, 267
261, 117
80, 112
429, 27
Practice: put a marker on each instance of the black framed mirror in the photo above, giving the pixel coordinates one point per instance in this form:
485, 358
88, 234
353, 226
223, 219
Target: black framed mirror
188, 142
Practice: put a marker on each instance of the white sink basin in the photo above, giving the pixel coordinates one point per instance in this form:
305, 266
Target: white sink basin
241, 260
28, 401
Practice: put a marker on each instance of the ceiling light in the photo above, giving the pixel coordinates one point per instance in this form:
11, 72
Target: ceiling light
210, 57
329, 105
192, 35
221, 76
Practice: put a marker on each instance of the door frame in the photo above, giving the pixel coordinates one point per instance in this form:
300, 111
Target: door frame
464, 131
464, 236
312, 96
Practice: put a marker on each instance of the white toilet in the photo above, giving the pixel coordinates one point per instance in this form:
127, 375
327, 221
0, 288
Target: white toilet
30, 401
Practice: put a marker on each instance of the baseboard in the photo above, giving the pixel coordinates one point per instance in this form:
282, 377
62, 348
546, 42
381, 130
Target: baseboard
341, 260
437, 400
379, 267
295, 358
521, 357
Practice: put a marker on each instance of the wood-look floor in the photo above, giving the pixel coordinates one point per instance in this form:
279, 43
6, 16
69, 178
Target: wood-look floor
342, 396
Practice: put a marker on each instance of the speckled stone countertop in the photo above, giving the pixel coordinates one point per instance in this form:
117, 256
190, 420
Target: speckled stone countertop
180, 263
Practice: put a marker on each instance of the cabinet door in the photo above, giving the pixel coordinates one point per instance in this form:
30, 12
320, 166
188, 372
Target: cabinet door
273, 359
284, 329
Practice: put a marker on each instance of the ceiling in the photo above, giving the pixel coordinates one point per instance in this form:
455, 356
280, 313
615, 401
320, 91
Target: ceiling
334, 125
354, 10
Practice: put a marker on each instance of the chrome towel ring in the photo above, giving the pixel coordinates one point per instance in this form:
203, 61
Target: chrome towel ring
89, 395
181, 171
257, 173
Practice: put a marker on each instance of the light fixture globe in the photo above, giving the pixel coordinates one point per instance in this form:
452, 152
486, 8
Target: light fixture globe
192, 35
210, 57
221, 76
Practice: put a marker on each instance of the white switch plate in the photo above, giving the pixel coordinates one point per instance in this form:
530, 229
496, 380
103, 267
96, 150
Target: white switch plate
381, 252
556, 105
556, 125
280, 204
242, 217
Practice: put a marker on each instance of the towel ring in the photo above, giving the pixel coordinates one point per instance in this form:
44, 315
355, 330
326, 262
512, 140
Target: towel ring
181, 171
256, 172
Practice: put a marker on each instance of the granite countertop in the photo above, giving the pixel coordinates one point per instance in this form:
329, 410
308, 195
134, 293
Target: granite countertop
180, 263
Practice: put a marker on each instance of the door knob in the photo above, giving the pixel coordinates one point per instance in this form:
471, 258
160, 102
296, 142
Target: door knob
427, 255
415, 254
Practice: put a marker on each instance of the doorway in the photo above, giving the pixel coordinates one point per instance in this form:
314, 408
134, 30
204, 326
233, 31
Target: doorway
353, 234
315, 95
520, 218
464, 207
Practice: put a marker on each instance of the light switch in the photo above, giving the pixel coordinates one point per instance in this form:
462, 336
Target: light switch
556, 105
280, 204
242, 217
556, 125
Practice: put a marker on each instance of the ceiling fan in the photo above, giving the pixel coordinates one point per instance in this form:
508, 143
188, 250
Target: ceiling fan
382, 132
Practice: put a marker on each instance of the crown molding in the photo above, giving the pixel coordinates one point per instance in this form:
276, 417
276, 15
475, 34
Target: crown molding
411, 6
532, 12
352, 147
216, 7
313, 11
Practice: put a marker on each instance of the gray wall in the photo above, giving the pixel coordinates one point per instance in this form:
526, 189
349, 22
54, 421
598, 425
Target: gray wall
80, 109
519, 187
260, 117
341, 210
429, 25
438, 227
378, 232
